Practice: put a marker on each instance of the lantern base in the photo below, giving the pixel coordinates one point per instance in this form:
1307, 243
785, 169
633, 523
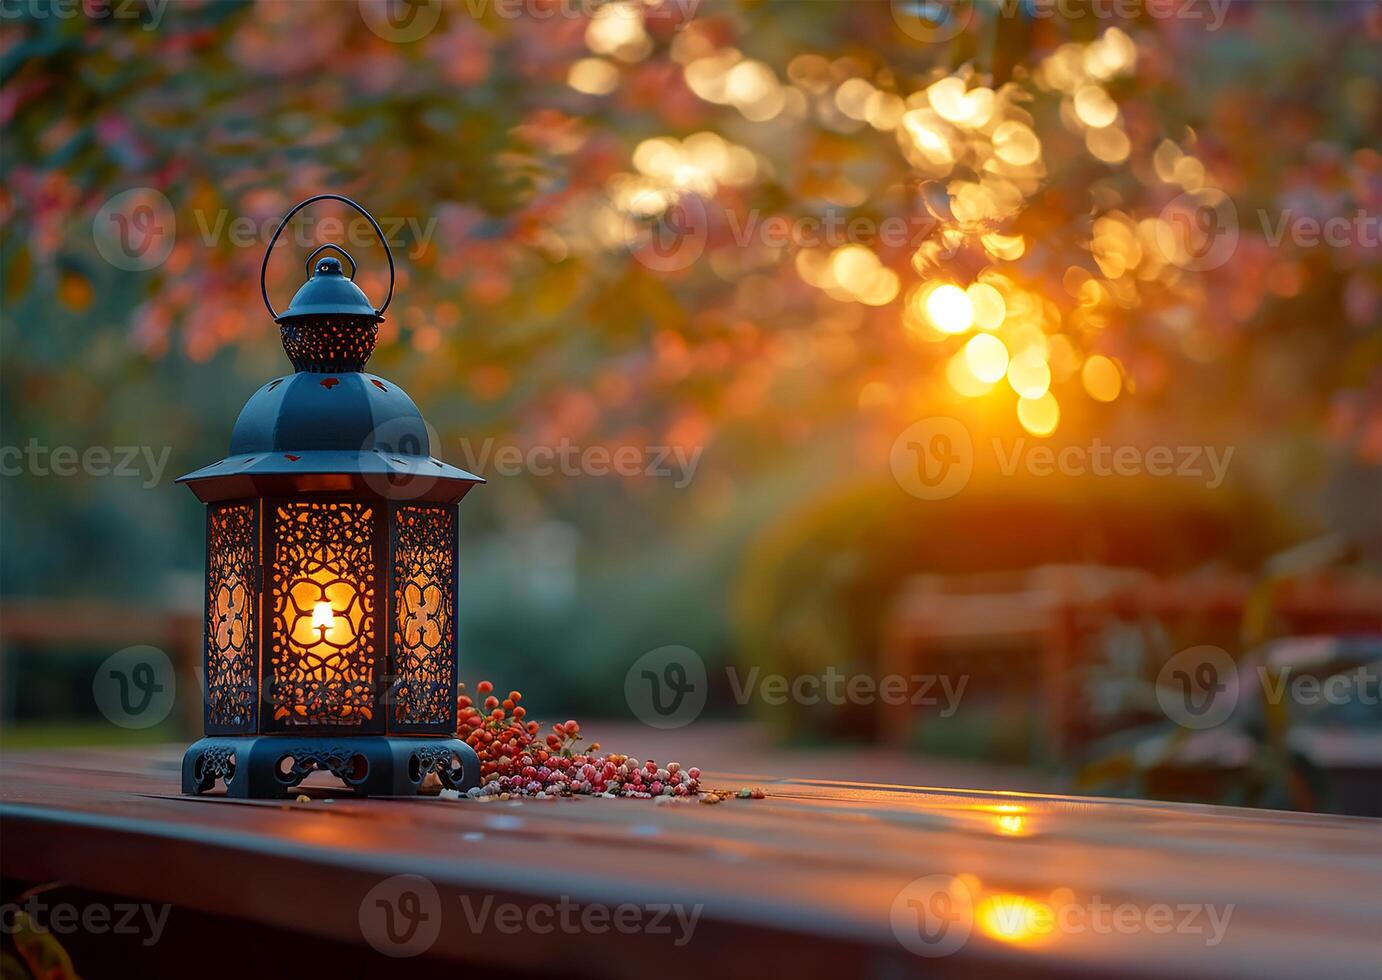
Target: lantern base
271, 766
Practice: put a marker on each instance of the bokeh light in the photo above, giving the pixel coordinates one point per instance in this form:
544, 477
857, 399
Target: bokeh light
949, 308
987, 306
987, 357
1029, 374
1101, 378
1039, 416
593, 76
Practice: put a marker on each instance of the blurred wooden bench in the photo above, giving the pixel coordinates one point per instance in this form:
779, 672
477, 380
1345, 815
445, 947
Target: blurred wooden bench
60, 627
1056, 609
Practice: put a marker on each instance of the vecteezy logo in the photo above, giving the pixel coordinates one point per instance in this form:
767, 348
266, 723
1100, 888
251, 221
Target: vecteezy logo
1198, 230
667, 687
933, 915
401, 916
666, 239
678, 13
135, 687
1198, 687
932, 21
933, 459
407, 469
135, 229
401, 21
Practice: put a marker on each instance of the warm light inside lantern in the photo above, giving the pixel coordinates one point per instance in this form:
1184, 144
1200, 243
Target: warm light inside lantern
330, 603
335, 615
327, 637
323, 637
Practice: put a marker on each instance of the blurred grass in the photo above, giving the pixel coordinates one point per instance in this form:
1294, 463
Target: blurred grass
50, 735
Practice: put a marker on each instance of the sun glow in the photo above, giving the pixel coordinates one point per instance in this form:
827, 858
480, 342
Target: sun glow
950, 309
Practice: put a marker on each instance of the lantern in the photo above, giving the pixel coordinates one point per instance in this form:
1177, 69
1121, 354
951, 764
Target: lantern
331, 571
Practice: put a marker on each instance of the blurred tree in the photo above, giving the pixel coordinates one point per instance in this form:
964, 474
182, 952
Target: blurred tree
780, 230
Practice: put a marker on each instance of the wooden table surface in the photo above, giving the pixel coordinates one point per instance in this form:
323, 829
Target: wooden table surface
823, 876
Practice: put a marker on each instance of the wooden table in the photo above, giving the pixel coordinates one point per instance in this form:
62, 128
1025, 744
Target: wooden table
820, 878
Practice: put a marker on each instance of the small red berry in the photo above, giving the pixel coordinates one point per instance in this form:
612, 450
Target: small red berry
514, 763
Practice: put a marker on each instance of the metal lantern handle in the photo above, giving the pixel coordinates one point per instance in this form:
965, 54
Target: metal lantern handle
264, 269
307, 266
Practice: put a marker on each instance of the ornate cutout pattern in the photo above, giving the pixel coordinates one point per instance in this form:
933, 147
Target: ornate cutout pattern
232, 599
329, 343
323, 592
340, 761
424, 620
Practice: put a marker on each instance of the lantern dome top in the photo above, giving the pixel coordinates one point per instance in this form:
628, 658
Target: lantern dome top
330, 325
330, 293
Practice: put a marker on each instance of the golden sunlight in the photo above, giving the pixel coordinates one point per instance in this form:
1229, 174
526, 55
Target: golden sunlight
987, 304
1039, 416
1029, 374
949, 308
1014, 918
986, 357
1101, 378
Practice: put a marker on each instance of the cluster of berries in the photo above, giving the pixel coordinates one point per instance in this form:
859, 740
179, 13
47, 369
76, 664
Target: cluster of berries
513, 762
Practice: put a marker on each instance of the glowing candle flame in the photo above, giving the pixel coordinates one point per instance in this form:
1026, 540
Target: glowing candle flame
322, 616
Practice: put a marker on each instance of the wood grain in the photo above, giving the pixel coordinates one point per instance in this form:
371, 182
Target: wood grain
804, 880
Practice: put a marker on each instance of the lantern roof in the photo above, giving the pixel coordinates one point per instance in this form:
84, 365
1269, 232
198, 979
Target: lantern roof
312, 423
